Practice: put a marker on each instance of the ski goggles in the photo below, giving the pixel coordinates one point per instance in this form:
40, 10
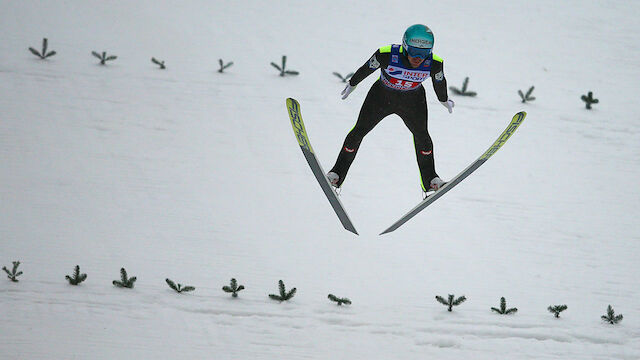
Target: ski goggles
418, 52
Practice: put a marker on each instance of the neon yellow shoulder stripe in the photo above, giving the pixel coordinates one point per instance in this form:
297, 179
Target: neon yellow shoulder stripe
387, 49
437, 58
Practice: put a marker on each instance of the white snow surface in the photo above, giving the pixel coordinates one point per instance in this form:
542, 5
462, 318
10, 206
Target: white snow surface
196, 176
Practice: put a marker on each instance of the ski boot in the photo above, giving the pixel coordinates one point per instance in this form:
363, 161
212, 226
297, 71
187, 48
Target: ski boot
333, 178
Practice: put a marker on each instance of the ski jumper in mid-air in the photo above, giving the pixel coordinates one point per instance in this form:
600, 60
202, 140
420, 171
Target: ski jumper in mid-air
398, 91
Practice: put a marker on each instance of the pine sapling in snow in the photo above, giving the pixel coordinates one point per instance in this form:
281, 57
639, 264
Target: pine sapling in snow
345, 78
503, 308
14, 273
526, 97
103, 57
44, 54
223, 66
557, 309
284, 295
463, 91
233, 288
179, 288
450, 302
125, 281
158, 62
77, 278
338, 300
588, 99
611, 316
282, 69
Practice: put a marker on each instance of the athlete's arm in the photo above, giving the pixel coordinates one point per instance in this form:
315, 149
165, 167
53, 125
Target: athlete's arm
378, 60
438, 79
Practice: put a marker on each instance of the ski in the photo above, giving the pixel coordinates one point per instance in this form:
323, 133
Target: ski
430, 199
305, 145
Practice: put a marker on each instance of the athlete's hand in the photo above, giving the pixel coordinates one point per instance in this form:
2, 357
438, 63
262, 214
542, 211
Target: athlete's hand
347, 90
449, 104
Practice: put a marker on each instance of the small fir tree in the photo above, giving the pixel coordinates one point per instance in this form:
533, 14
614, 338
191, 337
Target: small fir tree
284, 295
179, 288
282, 69
557, 309
103, 57
223, 66
14, 273
233, 288
450, 302
588, 99
44, 54
611, 316
345, 78
77, 278
125, 281
526, 97
503, 308
338, 300
463, 91
159, 63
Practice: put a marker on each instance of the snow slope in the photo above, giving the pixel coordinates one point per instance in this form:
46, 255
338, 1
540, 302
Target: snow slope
196, 176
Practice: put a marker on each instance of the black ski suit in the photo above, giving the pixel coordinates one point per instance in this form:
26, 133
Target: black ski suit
382, 101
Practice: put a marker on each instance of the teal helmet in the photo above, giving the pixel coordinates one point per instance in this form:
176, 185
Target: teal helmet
418, 41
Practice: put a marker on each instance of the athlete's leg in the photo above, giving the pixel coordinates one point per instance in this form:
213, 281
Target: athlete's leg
414, 114
374, 109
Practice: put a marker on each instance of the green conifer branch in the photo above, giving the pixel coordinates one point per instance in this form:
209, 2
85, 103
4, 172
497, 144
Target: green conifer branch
463, 91
611, 316
77, 278
526, 97
233, 288
503, 308
223, 66
178, 287
44, 54
125, 281
14, 273
557, 309
284, 295
103, 57
588, 99
343, 78
158, 62
451, 301
465, 83
282, 68
338, 300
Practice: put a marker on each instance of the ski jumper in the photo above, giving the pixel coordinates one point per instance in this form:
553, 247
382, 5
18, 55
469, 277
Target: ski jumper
398, 91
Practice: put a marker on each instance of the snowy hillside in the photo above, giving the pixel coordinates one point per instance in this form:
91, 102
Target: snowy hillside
196, 176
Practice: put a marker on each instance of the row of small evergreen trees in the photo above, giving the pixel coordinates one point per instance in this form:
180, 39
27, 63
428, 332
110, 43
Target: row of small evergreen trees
233, 288
525, 97
103, 57
128, 282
